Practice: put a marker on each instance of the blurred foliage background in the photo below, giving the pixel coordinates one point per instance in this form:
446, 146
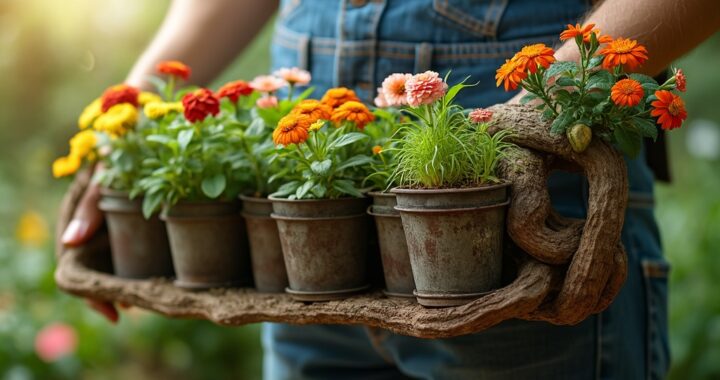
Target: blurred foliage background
56, 56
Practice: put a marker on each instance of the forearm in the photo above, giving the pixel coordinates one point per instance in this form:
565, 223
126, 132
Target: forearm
668, 28
205, 34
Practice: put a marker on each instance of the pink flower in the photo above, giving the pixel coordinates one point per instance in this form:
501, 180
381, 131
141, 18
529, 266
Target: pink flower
267, 83
267, 101
380, 100
680, 80
393, 87
294, 76
424, 88
55, 341
480, 115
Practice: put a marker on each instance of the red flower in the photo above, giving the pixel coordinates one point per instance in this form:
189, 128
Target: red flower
199, 104
174, 68
680, 80
669, 109
119, 94
234, 90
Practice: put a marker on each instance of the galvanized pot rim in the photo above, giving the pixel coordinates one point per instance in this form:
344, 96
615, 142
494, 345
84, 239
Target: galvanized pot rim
449, 210
328, 295
108, 192
201, 219
250, 215
383, 194
286, 200
315, 218
120, 202
250, 198
371, 211
447, 299
404, 190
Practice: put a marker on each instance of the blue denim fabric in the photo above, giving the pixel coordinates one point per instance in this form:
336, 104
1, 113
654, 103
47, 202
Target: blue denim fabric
357, 43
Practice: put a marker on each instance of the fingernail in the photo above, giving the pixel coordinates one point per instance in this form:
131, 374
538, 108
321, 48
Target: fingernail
74, 232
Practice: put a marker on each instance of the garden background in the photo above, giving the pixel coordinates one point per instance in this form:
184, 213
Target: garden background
56, 56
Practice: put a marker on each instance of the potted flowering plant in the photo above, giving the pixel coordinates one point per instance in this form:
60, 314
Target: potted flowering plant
397, 271
260, 159
113, 134
320, 208
451, 203
196, 176
597, 96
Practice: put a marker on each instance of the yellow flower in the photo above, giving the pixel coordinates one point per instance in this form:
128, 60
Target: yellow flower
65, 166
148, 97
83, 143
157, 110
316, 125
117, 120
90, 113
32, 230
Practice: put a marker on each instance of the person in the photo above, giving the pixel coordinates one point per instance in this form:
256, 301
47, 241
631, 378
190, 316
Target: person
356, 43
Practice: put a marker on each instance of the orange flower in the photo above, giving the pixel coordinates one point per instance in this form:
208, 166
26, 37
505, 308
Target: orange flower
337, 96
669, 109
377, 149
174, 68
627, 92
291, 129
511, 74
352, 111
234, 90
577, 30
313, 109
119, 94
623, 51
532, 56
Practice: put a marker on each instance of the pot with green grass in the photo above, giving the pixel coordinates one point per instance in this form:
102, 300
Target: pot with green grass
451, 204
196, 179
319, 209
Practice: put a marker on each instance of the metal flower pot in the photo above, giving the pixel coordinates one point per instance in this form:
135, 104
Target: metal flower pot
399, 280
324, 244
266, 255
209, 244
139, 246
455, 241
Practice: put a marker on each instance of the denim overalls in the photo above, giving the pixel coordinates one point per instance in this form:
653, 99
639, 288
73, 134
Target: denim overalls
357, 43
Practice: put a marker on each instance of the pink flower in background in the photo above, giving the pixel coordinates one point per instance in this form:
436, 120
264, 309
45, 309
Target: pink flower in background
680, 80
393, 88
380, 100
267, 101
55, 341
424, 88
294, 76
267, 83
480, 115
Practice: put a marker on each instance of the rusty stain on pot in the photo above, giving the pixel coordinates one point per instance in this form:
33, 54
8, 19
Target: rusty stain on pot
139, 247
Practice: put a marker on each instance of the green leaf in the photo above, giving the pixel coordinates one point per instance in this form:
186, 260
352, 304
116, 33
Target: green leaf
354, 161
151, 202
562, 122
647, 128
565, 82
346, 187
347, 139
319, 190
162, 139
286, 189
642, 78
601, 79
528, 97
559, 67
184, 138
302, 190
321, 167
305, 94
595, 61
629, 141
213, 186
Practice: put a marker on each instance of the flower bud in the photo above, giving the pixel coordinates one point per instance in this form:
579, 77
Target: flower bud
579, 136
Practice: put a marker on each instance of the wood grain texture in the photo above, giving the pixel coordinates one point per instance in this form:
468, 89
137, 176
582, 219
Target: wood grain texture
566, 269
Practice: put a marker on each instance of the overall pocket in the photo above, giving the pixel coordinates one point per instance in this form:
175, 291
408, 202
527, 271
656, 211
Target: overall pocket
655, 276
478, 17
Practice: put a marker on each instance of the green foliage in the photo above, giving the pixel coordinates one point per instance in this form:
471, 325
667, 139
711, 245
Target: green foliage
384, 135
441, 148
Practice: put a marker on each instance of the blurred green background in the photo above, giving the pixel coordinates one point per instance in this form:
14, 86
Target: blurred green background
56, 56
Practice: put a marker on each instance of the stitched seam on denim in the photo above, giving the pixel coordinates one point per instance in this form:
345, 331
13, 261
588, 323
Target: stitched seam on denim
423, 57
377, 337
599, 341
443, 8
493, 16
379, 8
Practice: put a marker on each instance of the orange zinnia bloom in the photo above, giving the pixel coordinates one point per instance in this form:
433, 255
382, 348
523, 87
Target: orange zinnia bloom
623, 51
353, 111
314, 109
511, 74
337, 96
577, 30
291, 129
669, 109
627, 92
532, 56
174, 68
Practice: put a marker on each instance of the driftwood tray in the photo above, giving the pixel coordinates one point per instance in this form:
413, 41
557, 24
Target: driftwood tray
566, 269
